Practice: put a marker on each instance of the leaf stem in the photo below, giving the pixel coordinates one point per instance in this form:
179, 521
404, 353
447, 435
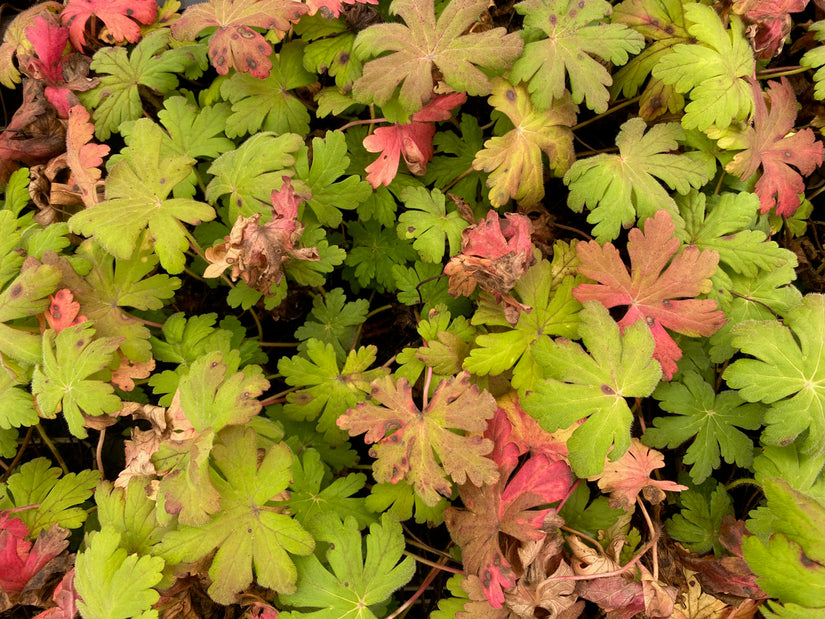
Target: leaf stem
434, 564
48, 442
607, 112
99, 453
423, 587
273, 399
617, 572
425, 398
742, 482
780, 72
280, 344
19, 455
378, 310
654, 537
363, 121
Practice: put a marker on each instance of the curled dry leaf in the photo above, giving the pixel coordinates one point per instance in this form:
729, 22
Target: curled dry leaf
258, 253
494, 254
628, 476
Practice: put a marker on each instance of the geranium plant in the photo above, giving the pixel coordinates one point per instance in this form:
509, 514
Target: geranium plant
386, 308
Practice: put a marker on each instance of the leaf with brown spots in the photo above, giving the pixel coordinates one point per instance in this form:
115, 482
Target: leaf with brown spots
84, 158
235, 44
120, 17
430, 448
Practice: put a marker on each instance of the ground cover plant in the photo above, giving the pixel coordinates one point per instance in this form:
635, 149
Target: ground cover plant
412, 308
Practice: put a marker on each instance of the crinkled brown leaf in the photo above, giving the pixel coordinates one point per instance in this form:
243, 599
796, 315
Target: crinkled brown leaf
258, 253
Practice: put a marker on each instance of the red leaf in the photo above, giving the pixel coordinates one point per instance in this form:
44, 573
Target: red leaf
83, 157
626, 477
19, 559
63, 310
768, 23
654, 291
49, 41
413, 140
505, 508
118, 15
234, 43
770, 146
65, 596
494, 255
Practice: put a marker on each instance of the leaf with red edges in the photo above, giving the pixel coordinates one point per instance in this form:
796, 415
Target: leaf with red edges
235, 44
20, 560
654, 291
120, 17
428, 448
63, 310
775, 149
506, 508
626, 477
84, 158
413, 141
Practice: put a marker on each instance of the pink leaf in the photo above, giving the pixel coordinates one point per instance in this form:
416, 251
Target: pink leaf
413, 141
83, 156
19, 559
772, 147
654, 290
65, 596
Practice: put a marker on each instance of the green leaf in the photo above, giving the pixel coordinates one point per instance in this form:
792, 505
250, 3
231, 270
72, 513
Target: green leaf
787, 373
424, 283
427, 221
18, 404
710, 419
713, 70
700, 521
452, 171
131, 513
328, 194
58, 499
137, 198
591, 517
196, 133
326, 390
333, 54
816, 58
247, 532
353, 583
26, 295
265, 104
555, 312
213, 394
8, 443
514, 159
801, 471
619, 189
371, 239
65, 381
594, 385
424, 43
662, 23
313, 272
789, 564
401, 500
110, 286
16, 192
578, 41
250, 173
335, 321
151, 66
113, 584
312, 495
727, 226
